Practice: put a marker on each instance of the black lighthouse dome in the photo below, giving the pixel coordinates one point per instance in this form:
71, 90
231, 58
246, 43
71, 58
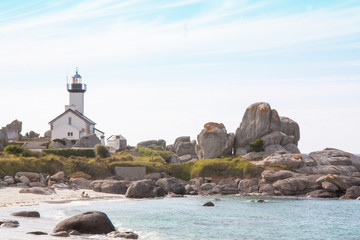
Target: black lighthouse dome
76, 83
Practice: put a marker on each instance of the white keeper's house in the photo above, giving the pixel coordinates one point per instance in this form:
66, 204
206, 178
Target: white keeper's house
73, 124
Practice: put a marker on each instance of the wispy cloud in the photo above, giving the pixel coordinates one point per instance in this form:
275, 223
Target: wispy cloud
105, 29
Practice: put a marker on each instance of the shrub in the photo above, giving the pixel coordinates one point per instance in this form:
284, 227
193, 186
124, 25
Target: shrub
67, 152
257, 145
13, 149
101, 151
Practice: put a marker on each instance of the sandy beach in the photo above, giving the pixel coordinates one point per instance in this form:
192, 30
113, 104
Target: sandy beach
10, 196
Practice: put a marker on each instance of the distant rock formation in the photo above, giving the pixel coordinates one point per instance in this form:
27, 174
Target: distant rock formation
152, 143
11, 131
214, 141
277, 133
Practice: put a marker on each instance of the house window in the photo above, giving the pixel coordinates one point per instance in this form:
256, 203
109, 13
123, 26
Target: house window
70, 134
69, 120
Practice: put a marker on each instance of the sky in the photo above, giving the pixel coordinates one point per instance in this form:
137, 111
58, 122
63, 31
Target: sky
162, 69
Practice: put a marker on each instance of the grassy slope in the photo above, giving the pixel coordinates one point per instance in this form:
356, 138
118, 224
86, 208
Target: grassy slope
154, 159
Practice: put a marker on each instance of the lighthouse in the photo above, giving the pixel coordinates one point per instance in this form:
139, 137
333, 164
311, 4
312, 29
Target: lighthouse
76, 91
73, 124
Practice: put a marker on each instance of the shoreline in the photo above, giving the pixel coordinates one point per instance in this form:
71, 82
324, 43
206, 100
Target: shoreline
10, 197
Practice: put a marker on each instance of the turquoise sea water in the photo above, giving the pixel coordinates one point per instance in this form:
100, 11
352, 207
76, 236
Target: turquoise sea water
233, 217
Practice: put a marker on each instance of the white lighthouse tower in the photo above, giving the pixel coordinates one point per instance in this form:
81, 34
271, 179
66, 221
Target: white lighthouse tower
73, 124
76, 91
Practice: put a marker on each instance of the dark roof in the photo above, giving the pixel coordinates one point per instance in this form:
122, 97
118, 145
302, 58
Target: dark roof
86, 119
99, 130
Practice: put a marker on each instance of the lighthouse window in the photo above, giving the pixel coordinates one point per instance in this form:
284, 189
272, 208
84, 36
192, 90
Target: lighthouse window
69, 120
70, 134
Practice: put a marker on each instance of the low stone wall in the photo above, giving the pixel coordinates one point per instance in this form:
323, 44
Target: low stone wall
130, 173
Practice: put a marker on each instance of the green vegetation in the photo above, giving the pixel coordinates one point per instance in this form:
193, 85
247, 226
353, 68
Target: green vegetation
101, 151
13, 149
68, 152
154, 159
257, 145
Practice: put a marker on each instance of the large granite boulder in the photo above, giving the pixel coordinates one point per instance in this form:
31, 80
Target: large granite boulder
86, 223
37, 190
34, 177
214, 141
248, 185
110, 186
260, 121
88, 141
171, 185
297, 185
81, 183
184, 146
352, 193
284, 158
141, 189
59, 176
333, 179
291, 128
152, 143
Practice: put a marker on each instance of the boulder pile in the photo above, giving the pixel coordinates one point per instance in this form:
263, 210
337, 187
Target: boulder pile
260, 121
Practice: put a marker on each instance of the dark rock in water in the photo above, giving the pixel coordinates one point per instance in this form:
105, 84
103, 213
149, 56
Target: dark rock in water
9, 225
86, 223
216, 199
37, 233
260, 200
33, 214
61, 234
209, 204
8, 221
126, 235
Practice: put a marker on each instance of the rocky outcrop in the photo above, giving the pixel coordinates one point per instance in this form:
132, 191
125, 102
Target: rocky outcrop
260, 121
110, 186
214, 141
11, 131
152, 143
86, 223
88, 141
331, 161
